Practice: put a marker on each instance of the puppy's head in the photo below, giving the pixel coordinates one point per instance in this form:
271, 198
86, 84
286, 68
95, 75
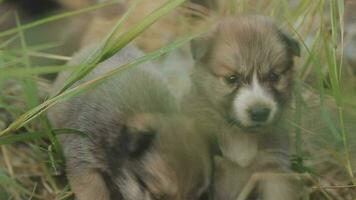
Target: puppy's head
244, 69
163, 158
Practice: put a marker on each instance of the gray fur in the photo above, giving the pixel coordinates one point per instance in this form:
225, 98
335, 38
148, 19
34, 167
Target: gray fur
136, 144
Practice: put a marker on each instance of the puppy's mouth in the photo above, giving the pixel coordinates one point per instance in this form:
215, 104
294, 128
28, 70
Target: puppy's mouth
251, 128
256, 128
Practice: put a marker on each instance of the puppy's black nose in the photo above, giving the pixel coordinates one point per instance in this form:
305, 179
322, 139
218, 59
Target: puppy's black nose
259, 113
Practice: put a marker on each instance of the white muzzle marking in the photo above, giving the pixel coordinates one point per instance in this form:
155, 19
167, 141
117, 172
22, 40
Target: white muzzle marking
253, 95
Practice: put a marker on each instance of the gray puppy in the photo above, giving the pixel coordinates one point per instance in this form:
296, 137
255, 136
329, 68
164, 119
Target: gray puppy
241, 85
133, 144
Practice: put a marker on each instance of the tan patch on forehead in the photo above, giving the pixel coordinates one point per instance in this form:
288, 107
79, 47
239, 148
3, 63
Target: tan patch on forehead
222, 69
248, 44
225, 55
141, 122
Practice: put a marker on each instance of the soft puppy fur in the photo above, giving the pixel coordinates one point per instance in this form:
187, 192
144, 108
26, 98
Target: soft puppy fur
241, 85
130, 142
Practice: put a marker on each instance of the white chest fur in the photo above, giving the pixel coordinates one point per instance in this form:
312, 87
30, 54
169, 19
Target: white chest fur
240, 148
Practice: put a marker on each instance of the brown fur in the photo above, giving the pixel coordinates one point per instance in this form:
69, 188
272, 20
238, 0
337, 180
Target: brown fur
243, 46
88, 184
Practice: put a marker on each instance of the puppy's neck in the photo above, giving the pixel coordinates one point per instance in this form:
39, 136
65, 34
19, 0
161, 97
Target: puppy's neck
239, 147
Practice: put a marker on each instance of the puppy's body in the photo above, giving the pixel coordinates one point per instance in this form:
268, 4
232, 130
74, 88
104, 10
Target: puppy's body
134, 145
241, 84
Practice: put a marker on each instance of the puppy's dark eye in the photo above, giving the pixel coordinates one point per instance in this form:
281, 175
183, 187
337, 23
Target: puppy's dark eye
274, 77
233, 79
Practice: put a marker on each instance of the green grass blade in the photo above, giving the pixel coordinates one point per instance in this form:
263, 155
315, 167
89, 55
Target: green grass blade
142, 26
23, 137
29, 87
22, 72
341, 9
88, 64
35, 112
109, 50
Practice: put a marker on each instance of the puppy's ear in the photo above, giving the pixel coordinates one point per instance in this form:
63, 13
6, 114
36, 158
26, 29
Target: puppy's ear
292, 44
201, 47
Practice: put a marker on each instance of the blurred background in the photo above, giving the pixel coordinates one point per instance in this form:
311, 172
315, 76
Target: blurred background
38, 38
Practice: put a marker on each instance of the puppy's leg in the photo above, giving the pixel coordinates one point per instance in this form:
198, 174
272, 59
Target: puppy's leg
83, 161
88, 184
229, 179
276, 181
279, 187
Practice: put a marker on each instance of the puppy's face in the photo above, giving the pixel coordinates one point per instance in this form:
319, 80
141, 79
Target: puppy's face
166, 161
244, 69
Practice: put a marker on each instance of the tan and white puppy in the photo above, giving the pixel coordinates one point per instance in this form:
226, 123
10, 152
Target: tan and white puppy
130, 142
241, 84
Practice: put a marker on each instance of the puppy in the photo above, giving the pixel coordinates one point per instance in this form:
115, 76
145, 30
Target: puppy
128, 141
241, 85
